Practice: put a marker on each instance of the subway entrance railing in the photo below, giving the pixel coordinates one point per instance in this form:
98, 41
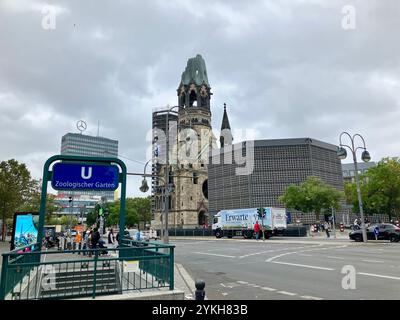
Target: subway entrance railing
52, 274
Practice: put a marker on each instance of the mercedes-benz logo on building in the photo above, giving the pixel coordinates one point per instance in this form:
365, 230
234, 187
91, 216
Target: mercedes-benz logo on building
81, 125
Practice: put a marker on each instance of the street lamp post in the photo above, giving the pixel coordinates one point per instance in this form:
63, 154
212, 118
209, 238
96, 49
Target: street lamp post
365, 156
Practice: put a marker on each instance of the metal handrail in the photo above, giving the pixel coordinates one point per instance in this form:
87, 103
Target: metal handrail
150, 256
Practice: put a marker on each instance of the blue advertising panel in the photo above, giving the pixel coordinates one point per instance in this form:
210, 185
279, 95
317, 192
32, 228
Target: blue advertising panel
25, 229
81, 176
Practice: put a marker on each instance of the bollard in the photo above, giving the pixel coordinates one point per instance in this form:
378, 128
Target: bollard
200, 293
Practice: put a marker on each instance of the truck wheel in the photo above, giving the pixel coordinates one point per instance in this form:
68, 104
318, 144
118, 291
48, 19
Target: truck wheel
218, 234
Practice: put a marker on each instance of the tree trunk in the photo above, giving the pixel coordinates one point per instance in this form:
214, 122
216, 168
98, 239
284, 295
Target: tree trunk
4, 227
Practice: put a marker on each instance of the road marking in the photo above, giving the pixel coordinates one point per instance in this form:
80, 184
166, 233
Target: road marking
215, 254
242, 282
311, 298
253, 254
287, 293
223, 285
378, 275
268, 289
373, 261
302, 265
305, 255
224, 293
315, 248
333, 257
256, 286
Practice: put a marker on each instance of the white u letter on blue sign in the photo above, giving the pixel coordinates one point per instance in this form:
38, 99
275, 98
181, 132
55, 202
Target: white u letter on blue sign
88, 176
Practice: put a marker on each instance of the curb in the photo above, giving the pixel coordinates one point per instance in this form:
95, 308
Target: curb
188, 281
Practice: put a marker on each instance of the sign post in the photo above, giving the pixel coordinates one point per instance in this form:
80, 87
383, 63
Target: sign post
83, 173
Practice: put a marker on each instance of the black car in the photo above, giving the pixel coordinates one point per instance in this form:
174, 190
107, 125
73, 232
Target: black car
387, 231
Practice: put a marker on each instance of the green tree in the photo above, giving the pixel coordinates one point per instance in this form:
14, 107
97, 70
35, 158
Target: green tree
131, 213
312, 196
68, 221
32, 202
15, 187
142, 207
380, 190
91, 218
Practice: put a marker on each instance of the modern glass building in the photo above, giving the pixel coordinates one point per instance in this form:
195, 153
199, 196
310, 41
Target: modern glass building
76, 144
274, 164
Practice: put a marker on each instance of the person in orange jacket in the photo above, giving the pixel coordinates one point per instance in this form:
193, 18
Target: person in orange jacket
78, 241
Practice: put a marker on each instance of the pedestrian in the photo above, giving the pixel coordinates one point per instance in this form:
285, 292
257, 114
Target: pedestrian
68, 240
95, 238
326, 227
61, 246
257, 230
78, 242
111, 237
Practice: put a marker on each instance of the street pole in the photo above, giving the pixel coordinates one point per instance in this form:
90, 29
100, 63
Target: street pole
364, 233
365, 157
333, 222
166, 199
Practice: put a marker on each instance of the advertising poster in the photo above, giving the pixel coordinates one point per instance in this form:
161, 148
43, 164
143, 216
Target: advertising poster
25, 229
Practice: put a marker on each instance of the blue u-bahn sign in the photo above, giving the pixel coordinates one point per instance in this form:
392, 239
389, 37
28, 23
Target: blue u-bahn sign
84, 176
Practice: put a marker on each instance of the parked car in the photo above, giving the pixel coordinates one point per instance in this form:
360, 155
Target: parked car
387, 231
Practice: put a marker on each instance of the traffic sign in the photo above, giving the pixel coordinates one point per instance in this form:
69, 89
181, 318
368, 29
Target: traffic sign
83, 176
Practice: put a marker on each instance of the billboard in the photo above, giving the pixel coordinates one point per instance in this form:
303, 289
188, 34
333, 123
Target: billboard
25, 229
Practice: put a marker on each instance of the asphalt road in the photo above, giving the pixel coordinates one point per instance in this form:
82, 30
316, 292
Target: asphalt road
290, 269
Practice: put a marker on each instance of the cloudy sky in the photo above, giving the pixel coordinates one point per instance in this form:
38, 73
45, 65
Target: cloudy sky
285, 68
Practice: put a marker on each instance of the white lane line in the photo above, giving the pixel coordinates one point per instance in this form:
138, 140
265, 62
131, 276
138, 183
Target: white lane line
214, 254
374, 261
311, 298
256, 286
333, 257
378, 275
315, 248
268, 289
302, 265
305, 255
224, 293
242, 282
222, 285
253, 254
287, 293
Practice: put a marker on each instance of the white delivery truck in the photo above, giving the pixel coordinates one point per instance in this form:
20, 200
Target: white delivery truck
240, 222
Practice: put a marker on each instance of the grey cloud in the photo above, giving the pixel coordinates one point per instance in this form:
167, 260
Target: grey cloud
285, 69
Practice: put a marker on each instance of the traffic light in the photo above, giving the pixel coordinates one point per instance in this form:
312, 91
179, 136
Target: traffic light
261, 213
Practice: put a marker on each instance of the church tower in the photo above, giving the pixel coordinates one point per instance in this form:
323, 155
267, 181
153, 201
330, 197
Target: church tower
188, 159
195, 139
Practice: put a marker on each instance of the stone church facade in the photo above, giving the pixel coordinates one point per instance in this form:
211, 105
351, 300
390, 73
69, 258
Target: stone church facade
189, 152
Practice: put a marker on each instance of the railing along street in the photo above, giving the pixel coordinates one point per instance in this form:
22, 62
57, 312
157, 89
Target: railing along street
54, 274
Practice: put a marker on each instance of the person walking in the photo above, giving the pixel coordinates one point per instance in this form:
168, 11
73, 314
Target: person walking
78, 242
326, 227
111, 238
257, 230
95, 238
